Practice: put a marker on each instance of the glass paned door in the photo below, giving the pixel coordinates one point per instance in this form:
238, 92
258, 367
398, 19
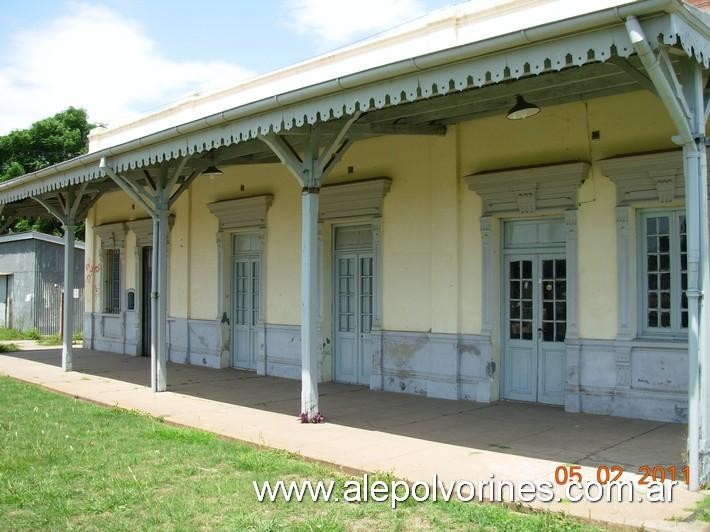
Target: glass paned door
354, 311
535, 327
246, 282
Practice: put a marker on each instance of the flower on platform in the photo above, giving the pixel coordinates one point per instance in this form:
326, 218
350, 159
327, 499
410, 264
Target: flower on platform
318, 418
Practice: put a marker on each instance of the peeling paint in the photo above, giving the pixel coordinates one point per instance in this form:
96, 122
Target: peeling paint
401, 352
467, 348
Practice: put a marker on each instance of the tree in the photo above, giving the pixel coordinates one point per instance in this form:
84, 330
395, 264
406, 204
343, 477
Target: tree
46, 142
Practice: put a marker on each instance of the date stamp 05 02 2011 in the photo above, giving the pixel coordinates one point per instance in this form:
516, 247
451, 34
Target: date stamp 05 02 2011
606, 474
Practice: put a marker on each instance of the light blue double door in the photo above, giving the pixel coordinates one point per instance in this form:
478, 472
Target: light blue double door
354, 311
535, 314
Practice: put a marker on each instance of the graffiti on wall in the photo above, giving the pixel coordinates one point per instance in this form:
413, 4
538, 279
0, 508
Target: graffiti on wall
92, 272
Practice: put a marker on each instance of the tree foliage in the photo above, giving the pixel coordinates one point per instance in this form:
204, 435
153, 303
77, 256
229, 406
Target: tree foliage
46, 142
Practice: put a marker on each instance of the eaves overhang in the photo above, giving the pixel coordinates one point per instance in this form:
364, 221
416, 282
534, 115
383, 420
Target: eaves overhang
577, 41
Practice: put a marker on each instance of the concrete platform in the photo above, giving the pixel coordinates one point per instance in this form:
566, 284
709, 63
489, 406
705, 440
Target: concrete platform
412, 437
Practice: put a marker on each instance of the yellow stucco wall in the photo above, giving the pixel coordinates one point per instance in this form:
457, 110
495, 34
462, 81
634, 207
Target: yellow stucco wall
282, 239
431, 263
112, 207
629, 123
89, 260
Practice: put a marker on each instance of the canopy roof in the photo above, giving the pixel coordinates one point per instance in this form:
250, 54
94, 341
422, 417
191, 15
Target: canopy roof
420, 94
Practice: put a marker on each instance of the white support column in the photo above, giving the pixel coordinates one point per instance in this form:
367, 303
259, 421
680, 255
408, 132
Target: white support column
309, 302
157, 201
154, 266
163, 219
684, 100
159, 297
310, 172
694, 293
68, 324
69, 210
696, 193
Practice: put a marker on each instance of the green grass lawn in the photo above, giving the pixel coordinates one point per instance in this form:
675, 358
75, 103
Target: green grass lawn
50, 340
68, 464
14, 334
32, 334
704, 509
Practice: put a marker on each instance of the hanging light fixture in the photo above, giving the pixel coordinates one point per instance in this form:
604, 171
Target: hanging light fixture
212, 170
522, 109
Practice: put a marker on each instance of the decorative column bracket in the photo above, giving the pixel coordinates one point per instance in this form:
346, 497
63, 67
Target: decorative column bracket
310, 170
315, 164
72, 208
157, 196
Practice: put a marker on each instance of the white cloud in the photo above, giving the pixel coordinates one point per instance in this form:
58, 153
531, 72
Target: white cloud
342, 21
93, 57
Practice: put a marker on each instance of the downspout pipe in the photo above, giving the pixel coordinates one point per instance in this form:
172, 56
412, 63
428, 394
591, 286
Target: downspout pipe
665, 91
696, 221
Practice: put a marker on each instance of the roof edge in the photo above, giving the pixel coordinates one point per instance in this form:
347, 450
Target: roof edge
35, 235
553, 30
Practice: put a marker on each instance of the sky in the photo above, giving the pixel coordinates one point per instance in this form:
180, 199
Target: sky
122, 58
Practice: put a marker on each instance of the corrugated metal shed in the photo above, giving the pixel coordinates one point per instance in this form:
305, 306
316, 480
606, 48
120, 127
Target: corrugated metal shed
31, 279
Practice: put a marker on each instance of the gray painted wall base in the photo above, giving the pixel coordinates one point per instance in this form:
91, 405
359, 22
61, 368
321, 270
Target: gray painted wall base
447, 366
196, 342
637, 379
283, 352
644, 379
112, 332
